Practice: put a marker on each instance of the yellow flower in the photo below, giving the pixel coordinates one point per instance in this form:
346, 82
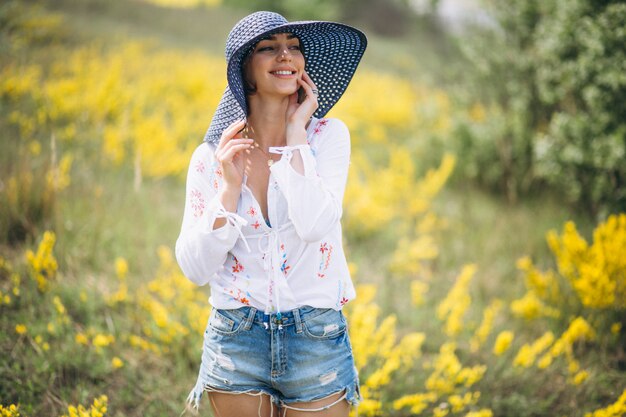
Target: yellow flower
43, 265
81, 339
34, 147
102, 340
58, 305
117, 362
9, 411
503, 342
453, 307
481, 334
527, 354
617, 409
20, 329
545, 361
418, 402
418, 290
580, 377
594, 270
485, 412
531, 307
121, 268
616, 327
97, 409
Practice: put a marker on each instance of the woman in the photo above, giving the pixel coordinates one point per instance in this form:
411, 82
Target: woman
262, 223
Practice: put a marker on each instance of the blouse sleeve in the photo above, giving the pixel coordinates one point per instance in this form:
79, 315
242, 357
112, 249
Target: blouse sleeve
314, 200
201, 250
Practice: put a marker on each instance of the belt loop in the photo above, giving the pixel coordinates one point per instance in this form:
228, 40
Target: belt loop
298, 320
249, 319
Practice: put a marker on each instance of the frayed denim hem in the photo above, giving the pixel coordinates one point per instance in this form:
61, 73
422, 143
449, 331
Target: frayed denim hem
351, 394
193, 400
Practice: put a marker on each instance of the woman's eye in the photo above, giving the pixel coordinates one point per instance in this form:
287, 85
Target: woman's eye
265, 48
295, 47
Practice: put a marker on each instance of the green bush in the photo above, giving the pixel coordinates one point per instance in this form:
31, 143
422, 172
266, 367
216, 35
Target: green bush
553, 76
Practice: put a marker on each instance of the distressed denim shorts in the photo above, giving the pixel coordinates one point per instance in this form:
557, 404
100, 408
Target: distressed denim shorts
304, 356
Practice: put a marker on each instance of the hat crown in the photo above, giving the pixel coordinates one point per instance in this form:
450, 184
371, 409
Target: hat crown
249, 27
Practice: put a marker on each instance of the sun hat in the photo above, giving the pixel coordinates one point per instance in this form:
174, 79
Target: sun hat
332, 52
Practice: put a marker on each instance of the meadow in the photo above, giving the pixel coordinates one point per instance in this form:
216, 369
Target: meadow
472, 306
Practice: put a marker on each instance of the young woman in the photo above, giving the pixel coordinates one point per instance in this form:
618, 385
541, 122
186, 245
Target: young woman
262, 223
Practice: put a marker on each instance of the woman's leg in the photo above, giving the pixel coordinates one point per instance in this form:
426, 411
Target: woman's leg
242, 405
339, 408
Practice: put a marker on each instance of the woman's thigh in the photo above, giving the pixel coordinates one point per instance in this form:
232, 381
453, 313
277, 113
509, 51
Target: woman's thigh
339, 407
239, 405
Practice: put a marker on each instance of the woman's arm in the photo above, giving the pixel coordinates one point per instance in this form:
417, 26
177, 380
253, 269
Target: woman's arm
204, 243
314, 185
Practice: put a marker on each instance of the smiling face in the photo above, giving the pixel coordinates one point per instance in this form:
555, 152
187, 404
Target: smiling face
275, 65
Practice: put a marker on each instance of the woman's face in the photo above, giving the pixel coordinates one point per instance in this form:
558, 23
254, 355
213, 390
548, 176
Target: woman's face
275, 65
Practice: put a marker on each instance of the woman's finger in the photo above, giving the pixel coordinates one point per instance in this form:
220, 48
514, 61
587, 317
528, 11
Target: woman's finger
229, 154
309, 80
312, 97
231, 131
237, 141
231, 143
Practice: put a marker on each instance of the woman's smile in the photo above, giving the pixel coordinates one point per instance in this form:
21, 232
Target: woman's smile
287, 73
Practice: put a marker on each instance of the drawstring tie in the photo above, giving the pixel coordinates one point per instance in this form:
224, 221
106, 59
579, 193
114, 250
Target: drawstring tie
271, 265
234, 220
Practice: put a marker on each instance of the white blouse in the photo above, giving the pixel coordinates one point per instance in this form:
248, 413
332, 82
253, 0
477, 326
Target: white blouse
299, 259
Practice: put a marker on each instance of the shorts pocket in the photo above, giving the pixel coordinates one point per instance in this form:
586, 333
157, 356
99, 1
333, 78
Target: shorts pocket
329, 324
226, 322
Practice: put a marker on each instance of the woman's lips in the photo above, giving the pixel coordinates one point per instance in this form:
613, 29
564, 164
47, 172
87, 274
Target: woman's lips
283, 73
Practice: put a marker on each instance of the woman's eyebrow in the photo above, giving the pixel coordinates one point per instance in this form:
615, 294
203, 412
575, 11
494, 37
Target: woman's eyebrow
273, 37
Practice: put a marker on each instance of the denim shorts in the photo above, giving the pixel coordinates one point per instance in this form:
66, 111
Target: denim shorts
298, 356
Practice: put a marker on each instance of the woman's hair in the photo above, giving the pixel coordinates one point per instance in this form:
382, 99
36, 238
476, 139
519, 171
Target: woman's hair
248, 87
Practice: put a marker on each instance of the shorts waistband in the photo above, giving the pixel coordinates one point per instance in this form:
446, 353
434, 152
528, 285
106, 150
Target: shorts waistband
293, 317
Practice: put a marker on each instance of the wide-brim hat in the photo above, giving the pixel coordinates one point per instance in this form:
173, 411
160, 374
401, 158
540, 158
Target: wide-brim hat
332, 53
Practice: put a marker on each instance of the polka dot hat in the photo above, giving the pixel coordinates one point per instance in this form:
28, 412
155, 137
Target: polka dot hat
332, 52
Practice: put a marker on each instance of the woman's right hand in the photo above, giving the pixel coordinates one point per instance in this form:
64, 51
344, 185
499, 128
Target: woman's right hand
230, 155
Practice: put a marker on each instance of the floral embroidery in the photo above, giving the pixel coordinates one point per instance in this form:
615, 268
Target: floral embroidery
251, 211
237, 267
319, 127
197, 203
200, 167
284, 267
326, 250
343, 300
256, 224
215, 173
239, 296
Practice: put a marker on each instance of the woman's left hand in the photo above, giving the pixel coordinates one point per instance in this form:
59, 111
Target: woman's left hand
299, 114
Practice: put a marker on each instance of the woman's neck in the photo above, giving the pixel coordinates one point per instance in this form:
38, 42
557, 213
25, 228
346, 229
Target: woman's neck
267, 120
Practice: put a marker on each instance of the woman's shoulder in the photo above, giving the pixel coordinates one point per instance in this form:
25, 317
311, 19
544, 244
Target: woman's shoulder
330, 128
204, 152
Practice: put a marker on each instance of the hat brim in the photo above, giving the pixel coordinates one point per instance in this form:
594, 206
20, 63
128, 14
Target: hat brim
332, 52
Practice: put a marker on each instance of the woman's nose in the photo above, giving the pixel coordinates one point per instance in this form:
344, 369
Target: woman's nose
284, 54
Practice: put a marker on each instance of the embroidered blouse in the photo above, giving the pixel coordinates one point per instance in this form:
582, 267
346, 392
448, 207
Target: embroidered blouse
295, 260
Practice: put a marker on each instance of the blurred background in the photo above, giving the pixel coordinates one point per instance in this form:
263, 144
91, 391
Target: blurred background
484, 213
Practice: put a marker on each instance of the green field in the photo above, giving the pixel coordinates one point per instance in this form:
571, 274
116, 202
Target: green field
121, 93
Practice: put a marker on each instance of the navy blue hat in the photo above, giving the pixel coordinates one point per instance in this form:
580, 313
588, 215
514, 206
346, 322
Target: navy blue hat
332, 52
